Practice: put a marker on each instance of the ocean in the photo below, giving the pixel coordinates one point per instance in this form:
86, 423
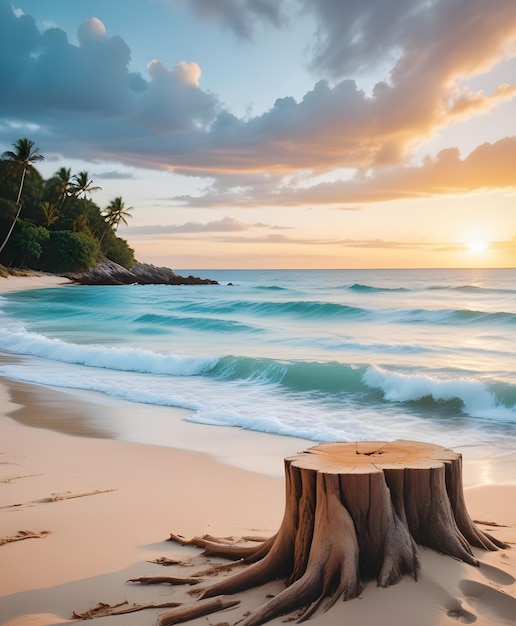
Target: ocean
326, 355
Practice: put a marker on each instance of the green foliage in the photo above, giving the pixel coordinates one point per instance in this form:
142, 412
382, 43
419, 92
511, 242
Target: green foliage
7, 213
19, 175
50, 213
93, 220
25, 245
70, 209
53, 224
117, 213
20, 160
32, 196
82, 186
8, 182
66, 251
59, 187
30, 239
118, 250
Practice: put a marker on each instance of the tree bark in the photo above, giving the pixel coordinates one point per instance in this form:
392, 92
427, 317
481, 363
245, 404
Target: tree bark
355, 512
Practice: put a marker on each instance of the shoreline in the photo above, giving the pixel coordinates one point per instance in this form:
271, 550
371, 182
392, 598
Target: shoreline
107, 417
135, 494
35, 280
118, 418
37, 462
122, 499
91, 414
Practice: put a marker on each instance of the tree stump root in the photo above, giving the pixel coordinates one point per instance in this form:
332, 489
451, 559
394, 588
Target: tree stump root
354, 512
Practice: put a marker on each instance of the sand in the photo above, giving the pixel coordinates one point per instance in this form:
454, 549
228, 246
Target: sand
222, 481
34, 280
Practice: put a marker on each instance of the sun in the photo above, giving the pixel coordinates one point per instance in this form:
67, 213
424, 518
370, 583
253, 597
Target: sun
477, 246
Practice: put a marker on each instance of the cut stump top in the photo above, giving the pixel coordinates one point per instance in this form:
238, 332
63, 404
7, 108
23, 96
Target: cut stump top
362, 457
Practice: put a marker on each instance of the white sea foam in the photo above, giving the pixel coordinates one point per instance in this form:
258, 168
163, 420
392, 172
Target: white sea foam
293, 353
125, 358
478, 401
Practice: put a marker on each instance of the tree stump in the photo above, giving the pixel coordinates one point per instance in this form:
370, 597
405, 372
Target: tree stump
355, 512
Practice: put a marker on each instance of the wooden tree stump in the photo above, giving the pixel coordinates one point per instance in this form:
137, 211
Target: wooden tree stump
355, 512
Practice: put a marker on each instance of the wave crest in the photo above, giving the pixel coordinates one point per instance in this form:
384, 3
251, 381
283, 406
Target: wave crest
122, 359
477, 398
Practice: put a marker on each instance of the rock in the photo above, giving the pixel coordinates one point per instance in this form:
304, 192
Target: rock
110, 273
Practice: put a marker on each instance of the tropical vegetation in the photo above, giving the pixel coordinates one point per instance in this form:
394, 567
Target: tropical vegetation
53, 225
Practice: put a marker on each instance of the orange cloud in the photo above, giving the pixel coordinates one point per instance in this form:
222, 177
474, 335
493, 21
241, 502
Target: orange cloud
166, 121
472, 104
490, 166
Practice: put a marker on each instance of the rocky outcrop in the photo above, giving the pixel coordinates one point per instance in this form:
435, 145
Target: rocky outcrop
109, 273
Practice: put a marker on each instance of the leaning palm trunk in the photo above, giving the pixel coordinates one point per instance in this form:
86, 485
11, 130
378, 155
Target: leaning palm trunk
24, 157
18, 204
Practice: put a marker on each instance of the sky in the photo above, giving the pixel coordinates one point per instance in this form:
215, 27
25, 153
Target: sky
278, 133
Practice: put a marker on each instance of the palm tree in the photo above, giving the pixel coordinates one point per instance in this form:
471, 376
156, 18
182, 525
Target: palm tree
82, 186
117, 212
50, 213
22, 158
64, 183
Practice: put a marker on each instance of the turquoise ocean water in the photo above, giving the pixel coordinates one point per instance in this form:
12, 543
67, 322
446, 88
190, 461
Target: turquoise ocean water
338, 355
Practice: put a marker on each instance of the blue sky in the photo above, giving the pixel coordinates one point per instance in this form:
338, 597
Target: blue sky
245, 76
278, 133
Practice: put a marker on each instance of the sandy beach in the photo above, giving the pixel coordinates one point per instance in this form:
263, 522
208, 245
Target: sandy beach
105, 508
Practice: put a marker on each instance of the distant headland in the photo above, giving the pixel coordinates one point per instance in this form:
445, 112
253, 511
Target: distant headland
110, 273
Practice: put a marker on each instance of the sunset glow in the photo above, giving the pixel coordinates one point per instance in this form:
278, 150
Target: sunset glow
278, 134
477, 247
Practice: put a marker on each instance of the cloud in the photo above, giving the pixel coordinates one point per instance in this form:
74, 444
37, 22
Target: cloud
173, 102
85, 94
468, 104
114, 175
84, 100
431, 46
490, 166
282, 241
428, 41
226, 224
19, 38
247, 189
365, 244
352, 36
504, 246
91, 30
240, 16
43, 76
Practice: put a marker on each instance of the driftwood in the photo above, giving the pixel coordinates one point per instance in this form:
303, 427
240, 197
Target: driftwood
163, 560
24, 534
104, 610
493, 524
13, 478
200, 541
226, 547
165, 580
355, 512
216, 569
57, 497
196, 609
